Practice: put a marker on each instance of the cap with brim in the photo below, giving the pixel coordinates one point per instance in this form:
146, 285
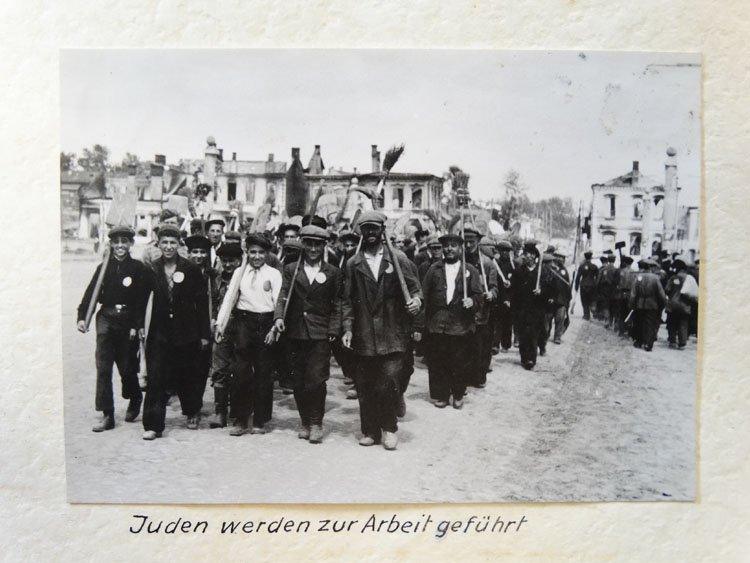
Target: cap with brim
372, 218
588, 254
121, 231
349, 236
167, 230
198, 241
504, 245
650, 262
256, 239
312, 232
530, 246
287, 227
548, 258
607, 252
450, 237
626, 260
316, 220
214, 222
167, 214
550, 249
292, 245
232, 235
486, 241
230, 250
470, 230
680, 258
434, 240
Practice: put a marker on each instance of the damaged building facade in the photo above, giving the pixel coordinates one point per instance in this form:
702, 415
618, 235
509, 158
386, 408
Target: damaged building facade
644, 212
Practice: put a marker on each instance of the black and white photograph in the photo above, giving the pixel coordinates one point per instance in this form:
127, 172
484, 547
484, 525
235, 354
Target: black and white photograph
379, 276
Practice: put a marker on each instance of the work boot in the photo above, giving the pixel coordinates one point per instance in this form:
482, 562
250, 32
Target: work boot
304, 432
401, 407
151, 435
238, 428
218, 420
458, 403
495, 350
107, 422
134, 407
390, 440
367, 441
556, 341
192, 422
441, 404
528, 365
351, 393
258, 430
316, 434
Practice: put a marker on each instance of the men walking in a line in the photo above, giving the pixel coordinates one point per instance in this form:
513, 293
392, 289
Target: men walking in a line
586, 281
504, 316
558, 298
314, 290
528, 304
449, 321
178, 331
123, 296
647, 299
375, 327
252, 384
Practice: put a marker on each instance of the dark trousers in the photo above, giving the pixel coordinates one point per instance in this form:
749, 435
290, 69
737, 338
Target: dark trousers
622, 314
407, 368
310, 363
556, 318
678, 324
204, 368
614, 311
252, 384
529, 326
114, 346
479, 355
504, 327
377, 389
646, 326
222, 367
170, 369
281, 354
345, 358
587, 299
448, 355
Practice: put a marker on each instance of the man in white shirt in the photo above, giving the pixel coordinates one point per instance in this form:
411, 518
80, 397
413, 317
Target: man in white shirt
252, 387
214, 231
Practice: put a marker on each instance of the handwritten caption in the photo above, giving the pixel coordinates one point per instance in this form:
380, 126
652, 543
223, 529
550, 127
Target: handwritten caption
375, 524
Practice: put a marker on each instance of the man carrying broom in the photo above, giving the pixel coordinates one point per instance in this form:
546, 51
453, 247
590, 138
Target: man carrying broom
376, 320
122, 293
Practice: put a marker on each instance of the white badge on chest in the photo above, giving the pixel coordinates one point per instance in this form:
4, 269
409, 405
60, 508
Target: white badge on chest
126, 281
320, 277
178, 277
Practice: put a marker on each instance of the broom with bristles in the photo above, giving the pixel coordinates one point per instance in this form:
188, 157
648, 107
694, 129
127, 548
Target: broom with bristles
460, 184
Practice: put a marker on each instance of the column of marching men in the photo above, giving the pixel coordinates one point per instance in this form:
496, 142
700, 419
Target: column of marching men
306, 294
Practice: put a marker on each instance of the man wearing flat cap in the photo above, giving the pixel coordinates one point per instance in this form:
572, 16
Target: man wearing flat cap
123, 296
377, 326
647, 299
505, 267
559, 297
222, 357
480, 342
619, 307
586, 277
344, 356
679, 303
528, 303
434, 254
252, 320
179, 330
314, 291
449, 321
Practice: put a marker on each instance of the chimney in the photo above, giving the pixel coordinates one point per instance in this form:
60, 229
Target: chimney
234, 156
221, 155
295, 153
316, 162
211, 155
375, 159
355, 170
160, 159
635, 166
156, 187
270, 157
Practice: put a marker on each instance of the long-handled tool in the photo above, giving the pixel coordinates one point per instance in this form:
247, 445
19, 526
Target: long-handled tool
97, 288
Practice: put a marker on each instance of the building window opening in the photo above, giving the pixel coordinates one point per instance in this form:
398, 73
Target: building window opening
637, 207
416, 199
635, 244
400, 197
610, 206
231, 191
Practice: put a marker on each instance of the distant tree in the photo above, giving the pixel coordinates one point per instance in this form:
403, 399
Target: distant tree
67, 161
515, 202
95, 159
129, 160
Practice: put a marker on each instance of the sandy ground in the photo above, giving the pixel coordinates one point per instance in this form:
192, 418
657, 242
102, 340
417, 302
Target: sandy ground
596, 420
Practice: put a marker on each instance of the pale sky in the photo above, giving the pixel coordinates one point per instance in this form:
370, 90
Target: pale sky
563, 120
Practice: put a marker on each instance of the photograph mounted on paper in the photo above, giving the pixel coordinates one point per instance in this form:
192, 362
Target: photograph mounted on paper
339, 276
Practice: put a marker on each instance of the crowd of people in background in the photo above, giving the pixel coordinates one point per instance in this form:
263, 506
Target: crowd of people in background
305, 293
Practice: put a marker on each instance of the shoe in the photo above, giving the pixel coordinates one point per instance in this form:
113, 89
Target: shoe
495, 350
218, 420
481, 385
107, 422
134, 407
367, 441
257, 430
151, 435
681, 346
192, 422
556, 341
543, 352
648, 348
458, 404
636, 344
528, 365
316, 434
390, 440
441, 404
304, 433
238, 428
401, 407
351, 394
505, 350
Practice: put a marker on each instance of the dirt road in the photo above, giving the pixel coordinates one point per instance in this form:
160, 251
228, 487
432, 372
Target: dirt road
596, 420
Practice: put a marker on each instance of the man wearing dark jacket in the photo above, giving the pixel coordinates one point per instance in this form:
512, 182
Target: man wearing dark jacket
312, 320
647, 299
528, 303
679, 306
178, 331
123, 296
622, 292
449, 321
503, 314
559, 297
586, 281
377, 327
